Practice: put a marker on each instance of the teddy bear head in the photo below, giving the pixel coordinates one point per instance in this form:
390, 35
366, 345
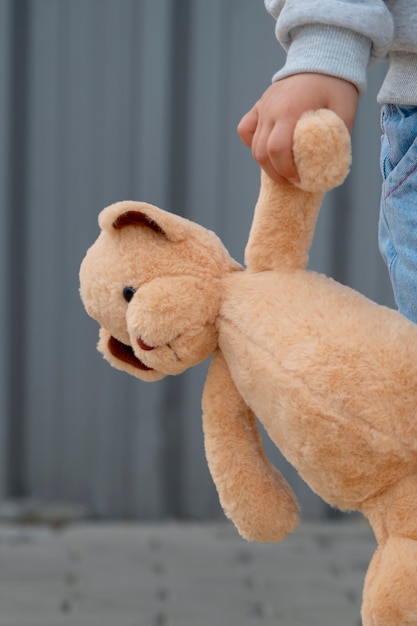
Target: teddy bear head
152, 280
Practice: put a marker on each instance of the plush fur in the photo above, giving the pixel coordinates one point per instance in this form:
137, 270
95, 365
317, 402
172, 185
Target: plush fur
331, 375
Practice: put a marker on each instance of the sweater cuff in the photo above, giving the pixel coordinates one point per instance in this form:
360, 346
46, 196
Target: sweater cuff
322, 49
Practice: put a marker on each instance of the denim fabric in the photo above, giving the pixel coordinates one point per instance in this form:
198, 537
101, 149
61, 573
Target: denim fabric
398, 216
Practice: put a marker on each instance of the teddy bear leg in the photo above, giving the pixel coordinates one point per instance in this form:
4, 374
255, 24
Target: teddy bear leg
390, 591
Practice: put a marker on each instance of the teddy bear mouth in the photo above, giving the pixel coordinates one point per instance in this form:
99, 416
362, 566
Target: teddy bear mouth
125, 353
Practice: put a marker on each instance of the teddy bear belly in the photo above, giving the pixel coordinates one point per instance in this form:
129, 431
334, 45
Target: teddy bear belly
333, 380
338, 452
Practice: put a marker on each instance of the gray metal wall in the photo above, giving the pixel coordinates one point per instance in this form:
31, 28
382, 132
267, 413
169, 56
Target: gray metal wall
102, 100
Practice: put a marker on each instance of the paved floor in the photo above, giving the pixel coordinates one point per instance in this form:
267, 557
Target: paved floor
181, 575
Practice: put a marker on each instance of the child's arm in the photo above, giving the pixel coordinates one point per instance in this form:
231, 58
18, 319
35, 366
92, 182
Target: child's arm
329, 45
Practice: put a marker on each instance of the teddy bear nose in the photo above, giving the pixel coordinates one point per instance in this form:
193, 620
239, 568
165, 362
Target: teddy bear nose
143, 345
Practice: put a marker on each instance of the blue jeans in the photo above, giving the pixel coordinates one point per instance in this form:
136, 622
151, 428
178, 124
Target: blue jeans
398, 216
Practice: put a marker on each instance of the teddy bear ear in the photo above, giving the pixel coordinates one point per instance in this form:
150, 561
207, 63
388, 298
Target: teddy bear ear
137, 218
123, 214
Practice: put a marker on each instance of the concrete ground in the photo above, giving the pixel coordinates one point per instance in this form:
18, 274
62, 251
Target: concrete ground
186, 574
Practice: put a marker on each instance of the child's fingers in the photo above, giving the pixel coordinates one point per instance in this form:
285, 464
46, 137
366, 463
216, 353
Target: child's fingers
279, 150
272, 149
260, 141
247, 127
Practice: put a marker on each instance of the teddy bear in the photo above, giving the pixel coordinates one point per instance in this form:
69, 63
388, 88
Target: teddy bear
331, 375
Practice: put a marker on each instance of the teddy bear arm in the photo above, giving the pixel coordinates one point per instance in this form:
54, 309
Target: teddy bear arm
285, 215
252, 492
282, 228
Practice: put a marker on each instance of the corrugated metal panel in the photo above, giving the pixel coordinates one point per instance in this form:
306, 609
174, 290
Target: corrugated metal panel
140, 99
98, 132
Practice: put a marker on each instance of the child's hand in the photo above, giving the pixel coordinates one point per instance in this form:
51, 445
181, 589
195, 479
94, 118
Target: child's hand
269, 126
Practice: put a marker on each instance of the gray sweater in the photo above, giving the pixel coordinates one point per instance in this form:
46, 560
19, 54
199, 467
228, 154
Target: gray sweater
341, 38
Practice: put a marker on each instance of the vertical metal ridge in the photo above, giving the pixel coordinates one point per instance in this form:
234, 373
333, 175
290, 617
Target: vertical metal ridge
17, 249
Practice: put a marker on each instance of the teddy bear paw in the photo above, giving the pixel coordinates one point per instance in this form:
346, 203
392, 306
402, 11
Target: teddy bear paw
322, 151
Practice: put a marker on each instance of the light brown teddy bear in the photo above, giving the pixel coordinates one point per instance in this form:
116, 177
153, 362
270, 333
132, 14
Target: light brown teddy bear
331, 375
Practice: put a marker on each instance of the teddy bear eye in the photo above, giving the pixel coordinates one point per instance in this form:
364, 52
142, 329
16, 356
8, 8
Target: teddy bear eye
128, 293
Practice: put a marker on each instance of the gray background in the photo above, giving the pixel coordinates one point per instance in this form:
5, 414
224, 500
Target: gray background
102, 100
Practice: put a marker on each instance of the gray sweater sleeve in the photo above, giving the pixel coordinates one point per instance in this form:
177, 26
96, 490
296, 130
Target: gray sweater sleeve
335, 37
